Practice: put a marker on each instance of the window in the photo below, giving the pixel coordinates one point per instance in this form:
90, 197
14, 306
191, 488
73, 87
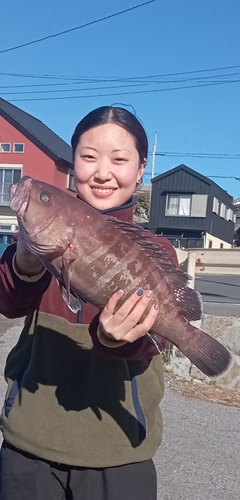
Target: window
219, 207
210, 244
5, 147
222, 210
179, 205
6, 239
71, 184
226, 215
18, 147
8, 176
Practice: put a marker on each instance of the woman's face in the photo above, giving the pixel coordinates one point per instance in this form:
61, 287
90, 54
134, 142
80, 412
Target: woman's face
107, 166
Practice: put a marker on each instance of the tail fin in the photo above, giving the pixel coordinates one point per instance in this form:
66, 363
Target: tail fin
205, 352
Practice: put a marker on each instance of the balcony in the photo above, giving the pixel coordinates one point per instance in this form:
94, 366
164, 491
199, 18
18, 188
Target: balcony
4, 194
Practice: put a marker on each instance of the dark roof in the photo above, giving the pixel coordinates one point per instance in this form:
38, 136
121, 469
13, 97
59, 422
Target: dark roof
38, 133
187, 169
195, 174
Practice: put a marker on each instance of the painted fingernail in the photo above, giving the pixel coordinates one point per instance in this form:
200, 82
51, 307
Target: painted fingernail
120, 292
140, 292
149, 294
156, 306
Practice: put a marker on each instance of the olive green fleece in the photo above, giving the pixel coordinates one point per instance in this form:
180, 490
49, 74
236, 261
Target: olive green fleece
81, 401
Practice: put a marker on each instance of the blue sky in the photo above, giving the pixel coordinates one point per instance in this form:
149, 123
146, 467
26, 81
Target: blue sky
186, 40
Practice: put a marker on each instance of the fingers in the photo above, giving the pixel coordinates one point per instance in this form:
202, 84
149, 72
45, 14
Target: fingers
111, 305
123, 323
144, 327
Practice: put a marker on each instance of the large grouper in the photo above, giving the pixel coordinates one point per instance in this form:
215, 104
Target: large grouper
94, 255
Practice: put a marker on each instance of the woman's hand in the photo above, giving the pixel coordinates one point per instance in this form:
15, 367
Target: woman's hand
26, 262
122, 324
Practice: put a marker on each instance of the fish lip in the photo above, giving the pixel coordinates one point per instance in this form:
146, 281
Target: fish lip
23, 203
20, 196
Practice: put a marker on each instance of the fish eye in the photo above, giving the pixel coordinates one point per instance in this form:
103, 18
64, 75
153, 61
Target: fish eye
44, 197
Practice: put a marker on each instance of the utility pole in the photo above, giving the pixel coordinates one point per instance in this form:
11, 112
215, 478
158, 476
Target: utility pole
154, 154
153, 166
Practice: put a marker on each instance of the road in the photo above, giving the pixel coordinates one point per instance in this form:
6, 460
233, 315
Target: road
199, 456
220, 293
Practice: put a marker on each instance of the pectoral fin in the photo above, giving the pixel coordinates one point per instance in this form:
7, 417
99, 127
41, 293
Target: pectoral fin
69, 256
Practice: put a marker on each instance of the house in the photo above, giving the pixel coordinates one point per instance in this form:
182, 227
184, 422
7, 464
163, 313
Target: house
237, 206
191, 210
28, 147
237, 223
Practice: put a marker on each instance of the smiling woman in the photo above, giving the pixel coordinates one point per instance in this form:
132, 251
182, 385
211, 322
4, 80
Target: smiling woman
93, 372
110, 151
106, 175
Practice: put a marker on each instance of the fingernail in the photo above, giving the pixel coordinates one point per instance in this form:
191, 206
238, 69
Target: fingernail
149, 294
156, 306
120, 292
140, 292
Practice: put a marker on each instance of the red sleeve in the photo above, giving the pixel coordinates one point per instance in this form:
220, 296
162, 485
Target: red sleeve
17, 297
142, 348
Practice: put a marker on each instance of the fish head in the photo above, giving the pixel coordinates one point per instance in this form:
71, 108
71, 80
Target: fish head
37, 206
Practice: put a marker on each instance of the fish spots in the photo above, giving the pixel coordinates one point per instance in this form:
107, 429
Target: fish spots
110, 259
138, 266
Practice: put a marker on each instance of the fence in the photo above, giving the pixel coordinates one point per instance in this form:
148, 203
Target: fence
209, 261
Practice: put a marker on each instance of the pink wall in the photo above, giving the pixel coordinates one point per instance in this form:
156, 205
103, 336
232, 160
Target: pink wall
35, 163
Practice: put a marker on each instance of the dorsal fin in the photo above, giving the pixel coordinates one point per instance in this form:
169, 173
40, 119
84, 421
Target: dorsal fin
188, 300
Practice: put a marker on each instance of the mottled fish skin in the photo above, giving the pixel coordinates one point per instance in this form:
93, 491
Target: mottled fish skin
94, 255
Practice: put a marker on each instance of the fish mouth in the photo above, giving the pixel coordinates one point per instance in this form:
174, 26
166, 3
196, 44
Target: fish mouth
20, 196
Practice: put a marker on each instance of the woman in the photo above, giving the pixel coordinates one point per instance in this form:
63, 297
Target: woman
81, 417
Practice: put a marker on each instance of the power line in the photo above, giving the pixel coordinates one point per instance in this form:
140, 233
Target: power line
125, 93
90, 23
56, 91
219, 156
107, 79
131, 83
224, 177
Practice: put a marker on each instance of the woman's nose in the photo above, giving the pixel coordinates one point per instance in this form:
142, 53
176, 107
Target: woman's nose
103, 171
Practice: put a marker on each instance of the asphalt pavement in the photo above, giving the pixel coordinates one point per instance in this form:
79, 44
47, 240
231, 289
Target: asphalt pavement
220, 293
199, 456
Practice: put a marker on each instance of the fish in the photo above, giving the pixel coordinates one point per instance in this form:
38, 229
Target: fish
93, 255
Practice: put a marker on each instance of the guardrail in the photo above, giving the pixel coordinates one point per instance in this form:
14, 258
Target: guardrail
209, 261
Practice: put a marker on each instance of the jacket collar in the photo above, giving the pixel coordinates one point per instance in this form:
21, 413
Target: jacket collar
123, 212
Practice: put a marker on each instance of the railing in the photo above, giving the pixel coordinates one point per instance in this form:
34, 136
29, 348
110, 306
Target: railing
4, 194
209, 261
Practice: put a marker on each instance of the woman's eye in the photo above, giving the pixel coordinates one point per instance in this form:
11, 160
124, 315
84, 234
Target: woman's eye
88, 157
120, 159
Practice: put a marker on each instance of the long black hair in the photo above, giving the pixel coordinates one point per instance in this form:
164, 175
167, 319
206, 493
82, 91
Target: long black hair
118, 116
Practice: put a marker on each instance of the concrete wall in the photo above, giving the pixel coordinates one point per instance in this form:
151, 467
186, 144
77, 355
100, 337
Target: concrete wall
209, 261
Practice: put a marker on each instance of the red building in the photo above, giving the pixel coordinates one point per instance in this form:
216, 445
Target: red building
28, 147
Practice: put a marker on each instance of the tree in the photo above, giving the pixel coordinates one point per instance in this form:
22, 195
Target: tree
142, 207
